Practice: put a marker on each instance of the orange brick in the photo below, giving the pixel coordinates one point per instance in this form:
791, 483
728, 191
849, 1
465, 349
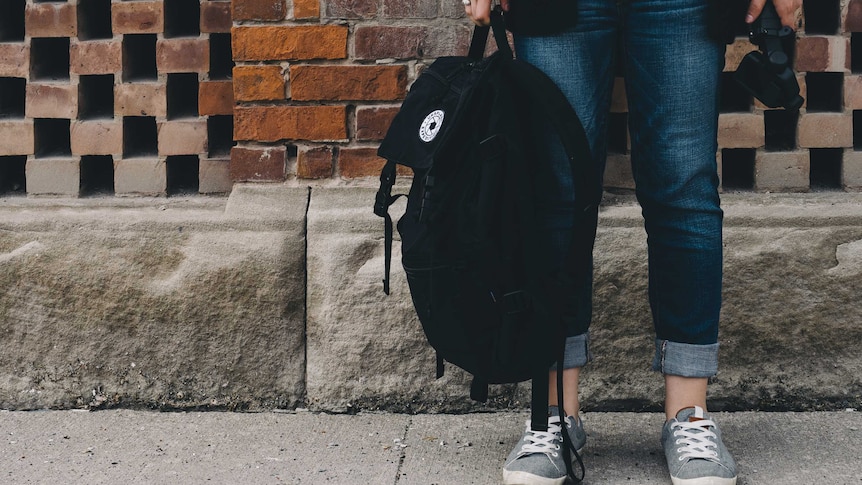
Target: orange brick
14, 60
97, 137
853, 92
51, 20
51, 101
819, 54
289, 42
183, 55
258, 9
182, 137
359, 162
215, 98
140, 99
825, 130
372, 123
215, 17
741, 130
336, 83
314, 163
16, 137
306, 9
137, 17
257, 164
273, 123
258, 83
96, 57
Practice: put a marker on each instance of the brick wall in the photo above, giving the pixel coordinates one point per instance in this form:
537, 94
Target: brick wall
141, 97
346, 65
122, 97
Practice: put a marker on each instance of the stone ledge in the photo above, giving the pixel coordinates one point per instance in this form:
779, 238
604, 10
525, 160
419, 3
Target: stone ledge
790, 322
158, 303
210, 302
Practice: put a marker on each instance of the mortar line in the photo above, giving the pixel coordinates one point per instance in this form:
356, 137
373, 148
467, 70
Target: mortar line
403, 450
305, 300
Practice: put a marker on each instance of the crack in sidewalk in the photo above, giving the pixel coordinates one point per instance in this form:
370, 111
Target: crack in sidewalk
403, 450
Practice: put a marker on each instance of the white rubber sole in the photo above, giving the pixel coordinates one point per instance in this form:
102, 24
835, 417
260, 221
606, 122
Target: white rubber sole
524, 478
703, 481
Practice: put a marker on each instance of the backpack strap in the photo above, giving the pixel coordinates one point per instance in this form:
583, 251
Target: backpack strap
480, 36
382, 201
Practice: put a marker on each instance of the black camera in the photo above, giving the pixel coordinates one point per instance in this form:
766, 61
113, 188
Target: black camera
768, 74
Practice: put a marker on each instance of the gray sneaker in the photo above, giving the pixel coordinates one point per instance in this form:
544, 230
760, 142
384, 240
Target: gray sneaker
538, 458
694, 451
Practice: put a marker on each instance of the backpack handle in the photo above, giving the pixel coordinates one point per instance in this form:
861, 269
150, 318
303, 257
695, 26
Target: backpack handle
480, 36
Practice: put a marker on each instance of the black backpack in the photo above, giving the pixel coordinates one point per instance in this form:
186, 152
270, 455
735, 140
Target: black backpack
476, 261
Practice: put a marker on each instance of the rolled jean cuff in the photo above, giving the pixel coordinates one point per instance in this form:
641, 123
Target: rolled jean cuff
577, 352
685, 360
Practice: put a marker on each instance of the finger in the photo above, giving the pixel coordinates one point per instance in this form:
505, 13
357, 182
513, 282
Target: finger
479, 11
787, 10
754, 9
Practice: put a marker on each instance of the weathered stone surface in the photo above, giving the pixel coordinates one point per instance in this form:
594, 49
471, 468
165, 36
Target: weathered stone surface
160, 303
790, 322
113, 302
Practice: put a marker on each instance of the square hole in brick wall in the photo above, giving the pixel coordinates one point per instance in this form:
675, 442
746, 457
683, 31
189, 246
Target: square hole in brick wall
856, 52
139, 57
618, 133
13, 178
182, 18
140, 137
733, 98
94, 19
97, 175
822, 16
52, 137
182, 91
183, 174
221, 57
825, 91
857, 130
780, 128
220, 136
825, 171
49, 59
737, 168
11, 20
13, 92
96, 97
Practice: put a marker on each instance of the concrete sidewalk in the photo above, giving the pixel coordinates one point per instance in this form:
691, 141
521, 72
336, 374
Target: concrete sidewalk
123, 446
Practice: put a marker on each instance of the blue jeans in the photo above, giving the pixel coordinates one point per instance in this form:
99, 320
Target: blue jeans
672, 71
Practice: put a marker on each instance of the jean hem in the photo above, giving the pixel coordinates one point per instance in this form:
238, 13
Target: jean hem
685, 360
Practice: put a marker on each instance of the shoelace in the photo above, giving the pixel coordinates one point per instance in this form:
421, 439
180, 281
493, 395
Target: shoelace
696, 439
543, 441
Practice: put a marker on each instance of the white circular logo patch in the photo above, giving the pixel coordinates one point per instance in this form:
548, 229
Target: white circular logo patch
431, 125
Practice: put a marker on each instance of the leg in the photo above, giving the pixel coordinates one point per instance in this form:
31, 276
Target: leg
580, 61
672, 73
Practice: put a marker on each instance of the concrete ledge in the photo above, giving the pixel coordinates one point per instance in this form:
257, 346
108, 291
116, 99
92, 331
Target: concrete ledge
790, 324
160, 303
273, 298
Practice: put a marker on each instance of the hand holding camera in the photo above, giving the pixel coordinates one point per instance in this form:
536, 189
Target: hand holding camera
768, 74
